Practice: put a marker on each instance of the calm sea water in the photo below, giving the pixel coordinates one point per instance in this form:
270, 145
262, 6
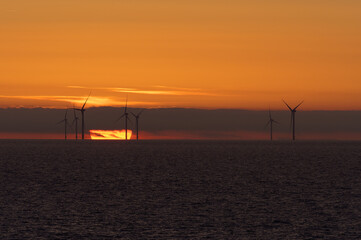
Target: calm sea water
180, 190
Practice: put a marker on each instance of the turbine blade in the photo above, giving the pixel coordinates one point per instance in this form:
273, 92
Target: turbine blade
126, 104
298, 105
268, 123
86, 101
133, 114
141, 111
291, 121
72, 123
119, 118
130, 120
287, 105
276, 122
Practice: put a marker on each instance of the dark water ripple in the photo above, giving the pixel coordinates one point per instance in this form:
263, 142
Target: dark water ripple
180, 190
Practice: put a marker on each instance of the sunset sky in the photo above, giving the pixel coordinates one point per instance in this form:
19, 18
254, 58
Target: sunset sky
181, 53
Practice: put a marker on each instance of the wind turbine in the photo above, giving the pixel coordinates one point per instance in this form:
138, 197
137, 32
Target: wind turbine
65, 120
76, 124
82, 110
137, 121
270, 122
126, 118
293, 118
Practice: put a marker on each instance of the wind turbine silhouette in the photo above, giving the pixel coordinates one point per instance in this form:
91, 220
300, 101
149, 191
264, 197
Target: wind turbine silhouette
76, 124
82, 110
293, 118
270, 122
137, 121
126, 118
65, 120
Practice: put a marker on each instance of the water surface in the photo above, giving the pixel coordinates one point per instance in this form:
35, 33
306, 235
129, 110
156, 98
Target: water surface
180, 190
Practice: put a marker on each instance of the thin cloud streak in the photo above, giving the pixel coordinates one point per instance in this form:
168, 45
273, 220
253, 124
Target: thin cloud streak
95, 101
156, 90
70, 101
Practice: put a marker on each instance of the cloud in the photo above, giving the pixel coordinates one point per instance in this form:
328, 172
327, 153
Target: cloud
160, 90
157, 90
202, 135
68, 101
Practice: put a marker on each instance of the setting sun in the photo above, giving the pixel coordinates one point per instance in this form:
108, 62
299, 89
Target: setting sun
109, 134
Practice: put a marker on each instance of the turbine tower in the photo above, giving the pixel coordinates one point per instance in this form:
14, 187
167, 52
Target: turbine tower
270, 122
65, 120
82, 110
126, 118
137, 122
76, 124
293, 118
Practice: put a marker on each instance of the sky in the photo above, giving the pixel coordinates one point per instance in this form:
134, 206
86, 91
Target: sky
194, 54
199, 54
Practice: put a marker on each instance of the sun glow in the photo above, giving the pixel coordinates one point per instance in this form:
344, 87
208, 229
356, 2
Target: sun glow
109, 134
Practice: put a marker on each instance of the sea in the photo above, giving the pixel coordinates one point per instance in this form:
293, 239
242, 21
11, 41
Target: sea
56, 189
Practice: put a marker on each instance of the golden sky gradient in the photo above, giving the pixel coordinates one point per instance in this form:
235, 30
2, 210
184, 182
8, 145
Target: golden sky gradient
199, 53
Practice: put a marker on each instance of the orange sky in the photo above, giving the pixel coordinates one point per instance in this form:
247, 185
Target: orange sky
199, 53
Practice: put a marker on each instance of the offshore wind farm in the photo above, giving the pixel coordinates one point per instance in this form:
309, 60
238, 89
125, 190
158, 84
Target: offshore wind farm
195, 188
180, 119
173, 123
117, 134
